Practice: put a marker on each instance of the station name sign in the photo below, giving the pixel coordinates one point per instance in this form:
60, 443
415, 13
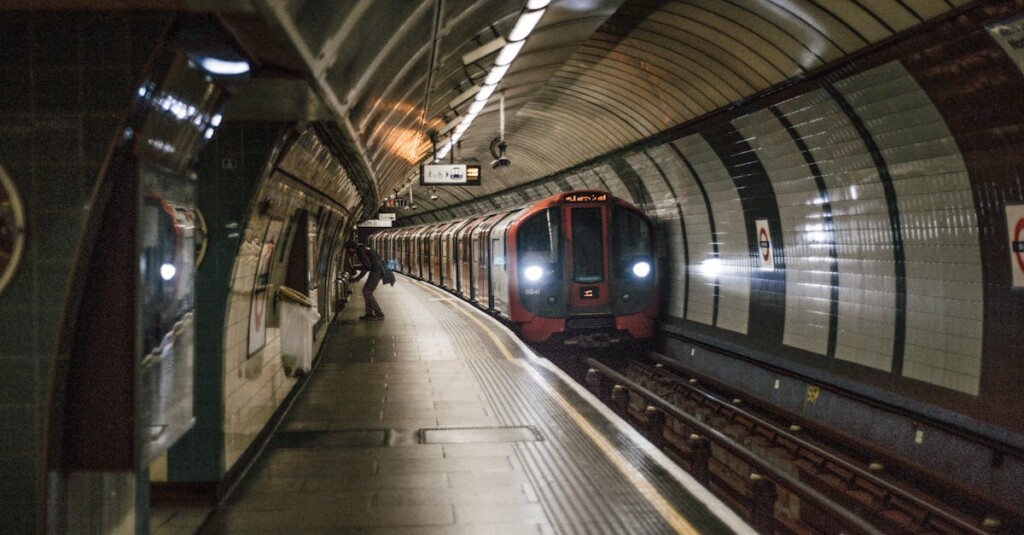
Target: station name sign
449, 174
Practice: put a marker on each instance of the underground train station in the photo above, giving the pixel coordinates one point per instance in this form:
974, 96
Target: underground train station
511, 266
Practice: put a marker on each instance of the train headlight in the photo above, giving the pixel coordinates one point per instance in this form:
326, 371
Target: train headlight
642, 269
533, 273
167, 272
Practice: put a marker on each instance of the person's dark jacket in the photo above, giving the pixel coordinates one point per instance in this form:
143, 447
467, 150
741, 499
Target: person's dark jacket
369, 261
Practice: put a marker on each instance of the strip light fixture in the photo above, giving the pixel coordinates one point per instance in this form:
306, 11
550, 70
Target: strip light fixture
524, 25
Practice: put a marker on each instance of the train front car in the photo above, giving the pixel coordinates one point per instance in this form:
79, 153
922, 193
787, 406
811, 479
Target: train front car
585, 271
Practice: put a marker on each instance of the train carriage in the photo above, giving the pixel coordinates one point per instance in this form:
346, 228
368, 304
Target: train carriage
577, 267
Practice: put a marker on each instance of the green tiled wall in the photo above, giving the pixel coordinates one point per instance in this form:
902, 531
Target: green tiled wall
65, 79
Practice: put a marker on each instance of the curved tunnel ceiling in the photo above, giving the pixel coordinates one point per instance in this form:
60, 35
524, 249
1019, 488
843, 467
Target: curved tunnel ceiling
594, 76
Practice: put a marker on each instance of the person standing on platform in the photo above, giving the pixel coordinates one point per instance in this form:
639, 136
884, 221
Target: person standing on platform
368, 262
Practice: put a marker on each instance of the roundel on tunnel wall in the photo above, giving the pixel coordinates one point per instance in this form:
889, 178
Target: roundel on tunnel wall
12, 229
1015, 226
765, 251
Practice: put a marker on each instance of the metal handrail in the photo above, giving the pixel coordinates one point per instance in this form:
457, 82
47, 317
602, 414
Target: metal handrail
794, 485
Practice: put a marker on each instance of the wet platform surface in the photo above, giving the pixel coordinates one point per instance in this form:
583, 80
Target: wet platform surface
438, 420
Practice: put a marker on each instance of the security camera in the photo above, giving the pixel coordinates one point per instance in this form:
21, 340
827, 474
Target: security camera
498, 147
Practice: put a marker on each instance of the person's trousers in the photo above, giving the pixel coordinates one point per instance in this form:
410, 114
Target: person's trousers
372, 308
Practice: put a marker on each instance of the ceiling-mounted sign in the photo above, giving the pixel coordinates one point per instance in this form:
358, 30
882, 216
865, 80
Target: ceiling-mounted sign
375, 223
449, 174
1015, 225
1009, 33
765, 252
387, 216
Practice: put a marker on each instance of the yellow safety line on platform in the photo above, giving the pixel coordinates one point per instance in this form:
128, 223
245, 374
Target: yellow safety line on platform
669, 513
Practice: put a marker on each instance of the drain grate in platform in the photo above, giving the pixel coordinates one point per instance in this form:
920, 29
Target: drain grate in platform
467, 435
332, 439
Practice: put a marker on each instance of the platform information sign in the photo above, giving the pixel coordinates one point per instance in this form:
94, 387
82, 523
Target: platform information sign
765, 254
449, 174
1009, 33
440, 174
1015, 225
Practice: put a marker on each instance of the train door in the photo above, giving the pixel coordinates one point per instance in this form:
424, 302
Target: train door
456, 255
468, 259
448, 256
482, 258
499, 263
417, 251
396, 238
435, 254
588, 261
427, 252
403, 240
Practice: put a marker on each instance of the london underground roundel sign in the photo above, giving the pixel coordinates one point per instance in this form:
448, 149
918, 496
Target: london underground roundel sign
765, 254
1015, 226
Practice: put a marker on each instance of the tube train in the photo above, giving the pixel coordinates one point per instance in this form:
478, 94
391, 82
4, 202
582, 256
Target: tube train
577, 267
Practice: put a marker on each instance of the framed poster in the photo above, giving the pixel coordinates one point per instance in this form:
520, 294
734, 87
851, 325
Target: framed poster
261, 287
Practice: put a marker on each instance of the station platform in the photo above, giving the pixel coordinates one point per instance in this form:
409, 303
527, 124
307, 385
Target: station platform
439, 420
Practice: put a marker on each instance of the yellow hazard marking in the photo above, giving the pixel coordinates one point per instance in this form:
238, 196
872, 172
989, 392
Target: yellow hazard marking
672, 517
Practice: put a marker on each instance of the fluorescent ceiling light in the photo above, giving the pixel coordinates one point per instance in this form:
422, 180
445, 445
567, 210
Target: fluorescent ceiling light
485, 92
525, 25
476, 106
495, 75
443, 151
537, 4
509, 53
223, 67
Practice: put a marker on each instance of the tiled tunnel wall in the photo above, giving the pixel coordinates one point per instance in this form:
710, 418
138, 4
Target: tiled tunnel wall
884, 199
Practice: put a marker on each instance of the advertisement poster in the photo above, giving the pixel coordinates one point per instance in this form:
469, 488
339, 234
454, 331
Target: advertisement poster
260, 291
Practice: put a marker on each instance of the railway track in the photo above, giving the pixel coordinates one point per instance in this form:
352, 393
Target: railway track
786, 477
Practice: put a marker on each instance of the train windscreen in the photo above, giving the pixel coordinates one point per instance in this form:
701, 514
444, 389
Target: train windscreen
538, 239
587, 245
632, 242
